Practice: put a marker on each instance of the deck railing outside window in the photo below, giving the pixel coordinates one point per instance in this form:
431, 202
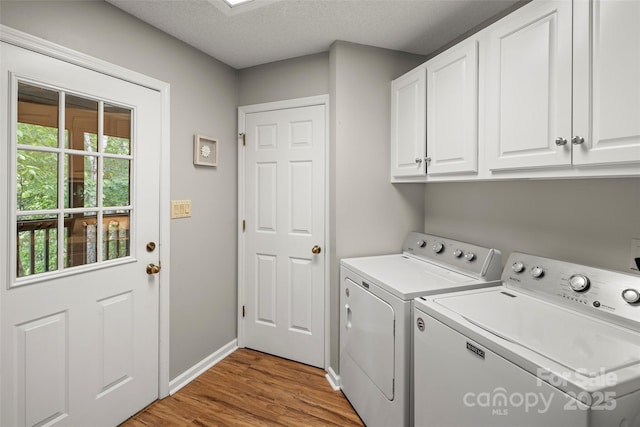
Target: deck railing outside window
37, 242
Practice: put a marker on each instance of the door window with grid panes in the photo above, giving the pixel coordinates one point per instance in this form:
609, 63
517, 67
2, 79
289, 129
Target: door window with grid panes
73, 186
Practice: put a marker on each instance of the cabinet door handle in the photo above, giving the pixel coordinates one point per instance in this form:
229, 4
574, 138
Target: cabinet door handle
577, 140
418, 160
428, 159
561, 141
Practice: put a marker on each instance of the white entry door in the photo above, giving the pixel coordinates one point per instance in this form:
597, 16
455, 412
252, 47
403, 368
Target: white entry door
284, 213
79, 174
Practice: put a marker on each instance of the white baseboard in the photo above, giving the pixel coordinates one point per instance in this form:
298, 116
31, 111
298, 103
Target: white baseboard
198, 369
333, 378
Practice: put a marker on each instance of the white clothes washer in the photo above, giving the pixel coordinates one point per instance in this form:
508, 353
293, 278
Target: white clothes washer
557, 345
376, 297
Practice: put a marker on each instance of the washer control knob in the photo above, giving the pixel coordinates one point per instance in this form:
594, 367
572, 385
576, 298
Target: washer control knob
470, 256
579, 282
438, 247
537, 272
518, 266
631, 296
422, 243
457, 253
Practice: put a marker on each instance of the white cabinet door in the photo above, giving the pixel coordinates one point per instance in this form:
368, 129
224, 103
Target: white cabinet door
607, 83
408, 125
529, 88
452, 110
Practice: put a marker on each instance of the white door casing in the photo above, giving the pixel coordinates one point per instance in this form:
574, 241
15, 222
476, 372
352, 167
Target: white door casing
282, 286
83, 346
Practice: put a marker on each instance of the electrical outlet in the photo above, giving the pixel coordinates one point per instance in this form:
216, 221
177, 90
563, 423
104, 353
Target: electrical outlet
635, 253
180, 209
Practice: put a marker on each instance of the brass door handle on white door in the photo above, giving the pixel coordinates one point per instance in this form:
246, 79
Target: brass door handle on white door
153, 269
316, 250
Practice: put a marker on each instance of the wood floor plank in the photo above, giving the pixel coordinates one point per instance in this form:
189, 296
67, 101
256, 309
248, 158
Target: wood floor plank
250, 388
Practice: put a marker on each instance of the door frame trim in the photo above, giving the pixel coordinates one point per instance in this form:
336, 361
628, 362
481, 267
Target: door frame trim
270, 106
53, 50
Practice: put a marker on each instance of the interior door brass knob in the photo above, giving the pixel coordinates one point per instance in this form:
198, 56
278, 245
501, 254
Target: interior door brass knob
316, 250
153, 269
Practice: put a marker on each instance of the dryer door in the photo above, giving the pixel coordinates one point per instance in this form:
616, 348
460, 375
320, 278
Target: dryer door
367, 331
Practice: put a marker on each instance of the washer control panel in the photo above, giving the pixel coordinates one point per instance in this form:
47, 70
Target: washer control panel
601, 292
465, 257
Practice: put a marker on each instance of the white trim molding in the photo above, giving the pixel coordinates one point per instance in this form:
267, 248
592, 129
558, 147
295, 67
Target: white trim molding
27, 41
201, 367
333, 379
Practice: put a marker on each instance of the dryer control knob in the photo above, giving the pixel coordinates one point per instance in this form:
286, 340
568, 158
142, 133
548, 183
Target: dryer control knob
438, 247
537, 272
421, 243
457, 253
470, 256
518, 266
579, 282
631, 296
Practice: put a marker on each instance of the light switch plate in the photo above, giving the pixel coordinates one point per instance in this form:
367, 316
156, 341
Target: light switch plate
635, 253
180, 209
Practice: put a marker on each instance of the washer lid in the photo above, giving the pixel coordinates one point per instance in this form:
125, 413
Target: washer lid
407, 277
582, 344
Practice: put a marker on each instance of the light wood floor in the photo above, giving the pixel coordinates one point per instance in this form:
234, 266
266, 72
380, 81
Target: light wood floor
250, 388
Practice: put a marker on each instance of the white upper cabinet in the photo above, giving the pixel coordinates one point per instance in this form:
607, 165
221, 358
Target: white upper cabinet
408, 131
452, 110
606, 82
563, 89
528, 88
551, 90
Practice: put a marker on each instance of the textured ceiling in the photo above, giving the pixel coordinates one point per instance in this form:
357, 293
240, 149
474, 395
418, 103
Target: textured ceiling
271, 30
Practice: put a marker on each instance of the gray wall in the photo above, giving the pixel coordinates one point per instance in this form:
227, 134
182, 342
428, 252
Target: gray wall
589, 221
204, 96
289, 79
369, 216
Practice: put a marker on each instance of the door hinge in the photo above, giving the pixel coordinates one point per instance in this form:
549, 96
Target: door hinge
244, 225
243, 311
244, 138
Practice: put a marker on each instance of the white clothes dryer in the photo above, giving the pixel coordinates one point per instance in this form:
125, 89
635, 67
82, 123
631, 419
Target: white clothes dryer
376, 295
557, 345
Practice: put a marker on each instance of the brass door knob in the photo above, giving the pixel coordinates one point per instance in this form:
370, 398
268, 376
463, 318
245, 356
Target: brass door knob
316, 250
153, 269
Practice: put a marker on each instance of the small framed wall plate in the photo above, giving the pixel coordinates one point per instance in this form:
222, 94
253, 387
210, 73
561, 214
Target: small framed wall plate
205, 151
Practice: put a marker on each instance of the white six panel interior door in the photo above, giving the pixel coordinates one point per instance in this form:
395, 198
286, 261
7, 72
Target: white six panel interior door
80, 311
285, 214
